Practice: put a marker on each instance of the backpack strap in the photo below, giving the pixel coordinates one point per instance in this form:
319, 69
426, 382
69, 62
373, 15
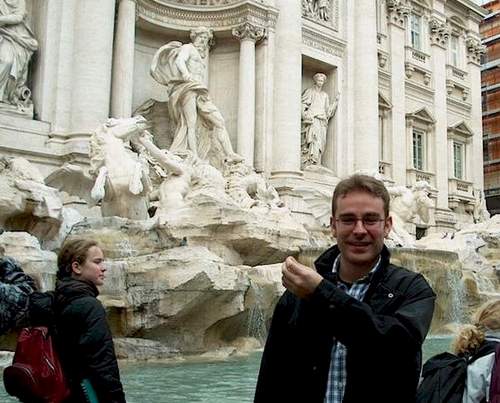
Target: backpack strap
488, 347
494, 392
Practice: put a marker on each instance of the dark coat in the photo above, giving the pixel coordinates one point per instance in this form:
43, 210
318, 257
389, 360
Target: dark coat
15, 288
84, 341
383, 336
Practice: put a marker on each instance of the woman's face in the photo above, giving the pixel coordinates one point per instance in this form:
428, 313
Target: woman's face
92, 269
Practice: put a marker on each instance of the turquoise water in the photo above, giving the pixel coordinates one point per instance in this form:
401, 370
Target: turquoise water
228, 381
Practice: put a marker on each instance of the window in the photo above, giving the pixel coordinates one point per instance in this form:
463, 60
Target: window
416, 31
381, 136
458, 160
418, 149
454, 54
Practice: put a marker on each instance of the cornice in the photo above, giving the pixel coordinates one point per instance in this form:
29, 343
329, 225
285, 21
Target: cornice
184, 17
418, 92
457, 106
326, 43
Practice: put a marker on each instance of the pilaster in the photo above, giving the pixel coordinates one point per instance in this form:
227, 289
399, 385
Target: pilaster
439, 39
123, 61
248, 34
365, 96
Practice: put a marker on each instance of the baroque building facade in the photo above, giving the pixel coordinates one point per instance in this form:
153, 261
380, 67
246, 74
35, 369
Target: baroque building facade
401, 87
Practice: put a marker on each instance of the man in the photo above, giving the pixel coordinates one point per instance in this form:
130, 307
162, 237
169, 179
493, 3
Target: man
350, 331
182, 69
316, 112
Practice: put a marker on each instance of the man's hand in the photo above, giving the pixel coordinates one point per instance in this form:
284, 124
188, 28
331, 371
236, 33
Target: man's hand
299, 279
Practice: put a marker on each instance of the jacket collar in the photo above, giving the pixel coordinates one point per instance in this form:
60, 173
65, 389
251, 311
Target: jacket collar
69, 289
325, 261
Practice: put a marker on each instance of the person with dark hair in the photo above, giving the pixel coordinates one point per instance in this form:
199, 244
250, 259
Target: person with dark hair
351, 329
83, 337
15, 289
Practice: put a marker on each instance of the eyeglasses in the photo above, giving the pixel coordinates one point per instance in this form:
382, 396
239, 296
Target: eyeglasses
368, 221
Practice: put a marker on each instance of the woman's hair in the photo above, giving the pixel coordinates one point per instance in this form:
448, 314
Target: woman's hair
74, 250
470, 337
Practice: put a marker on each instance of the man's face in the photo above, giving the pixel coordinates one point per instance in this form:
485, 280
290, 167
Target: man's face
201, 39
360, 244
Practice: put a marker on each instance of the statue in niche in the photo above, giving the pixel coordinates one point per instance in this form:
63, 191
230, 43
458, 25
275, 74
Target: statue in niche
17, 44
316, 113
118, 176
198, 122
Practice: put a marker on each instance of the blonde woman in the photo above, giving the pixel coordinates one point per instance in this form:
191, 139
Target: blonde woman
480, 339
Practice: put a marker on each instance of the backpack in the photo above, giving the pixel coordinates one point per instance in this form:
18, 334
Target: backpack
444, 376
36, 373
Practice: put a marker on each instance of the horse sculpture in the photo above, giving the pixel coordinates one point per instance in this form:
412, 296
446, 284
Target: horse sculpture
118, 176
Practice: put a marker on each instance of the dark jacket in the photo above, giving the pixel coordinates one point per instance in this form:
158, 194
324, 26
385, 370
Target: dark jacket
84, 341
383, 336
15, 288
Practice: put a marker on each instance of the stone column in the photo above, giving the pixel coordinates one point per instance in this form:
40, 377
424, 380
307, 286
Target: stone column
63, 68
474, 52
439, 39
396, 20
287, 92
264, 103
248, 34
92, 63
123, 61
365, 85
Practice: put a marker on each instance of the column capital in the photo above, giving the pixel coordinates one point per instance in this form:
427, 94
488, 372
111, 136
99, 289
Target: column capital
249, 31
439, 32
474, 50
397, 13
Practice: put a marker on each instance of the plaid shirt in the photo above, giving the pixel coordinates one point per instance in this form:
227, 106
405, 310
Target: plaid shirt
337, 374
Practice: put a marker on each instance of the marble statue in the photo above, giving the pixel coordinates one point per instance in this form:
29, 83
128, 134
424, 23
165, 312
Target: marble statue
17, 44
316, 112
176, 173
323, 9
316, 9
480, 212
198, 122
406, 205
249, 189
118, 177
